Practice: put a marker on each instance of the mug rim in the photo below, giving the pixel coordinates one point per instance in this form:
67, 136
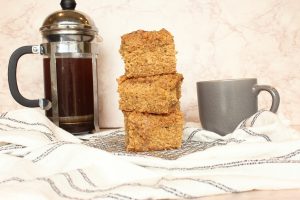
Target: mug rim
227, 80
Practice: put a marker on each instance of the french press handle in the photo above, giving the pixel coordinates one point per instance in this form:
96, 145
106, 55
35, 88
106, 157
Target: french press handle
12, 78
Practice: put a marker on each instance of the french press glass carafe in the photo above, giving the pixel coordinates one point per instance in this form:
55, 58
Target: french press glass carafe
70, 49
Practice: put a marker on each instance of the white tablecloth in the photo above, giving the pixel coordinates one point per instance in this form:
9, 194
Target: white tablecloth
41, 161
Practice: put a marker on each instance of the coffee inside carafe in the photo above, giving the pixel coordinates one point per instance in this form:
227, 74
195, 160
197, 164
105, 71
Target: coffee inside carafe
74, 93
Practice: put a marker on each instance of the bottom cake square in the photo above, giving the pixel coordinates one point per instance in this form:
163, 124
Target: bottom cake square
151, 132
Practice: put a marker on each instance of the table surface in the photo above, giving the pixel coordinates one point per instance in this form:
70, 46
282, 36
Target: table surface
263, 195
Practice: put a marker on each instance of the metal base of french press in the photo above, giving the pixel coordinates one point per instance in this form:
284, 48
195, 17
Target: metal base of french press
78, 128
77, 125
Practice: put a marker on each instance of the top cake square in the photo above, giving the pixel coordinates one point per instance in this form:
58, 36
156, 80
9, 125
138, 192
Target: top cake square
148, 53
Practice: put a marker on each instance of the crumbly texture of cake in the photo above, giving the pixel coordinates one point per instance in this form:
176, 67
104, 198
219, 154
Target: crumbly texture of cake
154, 94
150, 132
148, 53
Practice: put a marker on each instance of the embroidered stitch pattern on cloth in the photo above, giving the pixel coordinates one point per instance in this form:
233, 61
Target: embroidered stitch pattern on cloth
115, 143
48, 135
48, 151
27, 123
158, 186
86, 178
256, 134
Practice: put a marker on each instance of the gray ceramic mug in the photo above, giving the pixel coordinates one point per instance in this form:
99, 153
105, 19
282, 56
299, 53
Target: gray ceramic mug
223, 104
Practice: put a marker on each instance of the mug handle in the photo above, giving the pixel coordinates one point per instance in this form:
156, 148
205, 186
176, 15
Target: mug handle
274, 93
12, 78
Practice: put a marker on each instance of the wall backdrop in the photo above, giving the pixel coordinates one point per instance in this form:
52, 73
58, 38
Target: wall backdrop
215, 39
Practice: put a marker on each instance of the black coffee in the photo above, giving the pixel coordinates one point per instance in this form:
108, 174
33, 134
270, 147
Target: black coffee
75, 93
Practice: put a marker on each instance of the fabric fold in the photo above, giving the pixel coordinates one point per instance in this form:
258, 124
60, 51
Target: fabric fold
38, 160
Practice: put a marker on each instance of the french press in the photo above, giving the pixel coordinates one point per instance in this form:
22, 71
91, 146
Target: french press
70, 49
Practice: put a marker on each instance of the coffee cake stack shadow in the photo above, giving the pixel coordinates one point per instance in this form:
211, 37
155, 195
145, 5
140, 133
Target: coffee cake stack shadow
150, 91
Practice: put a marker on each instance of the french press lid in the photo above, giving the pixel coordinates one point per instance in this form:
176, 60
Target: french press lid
68, 22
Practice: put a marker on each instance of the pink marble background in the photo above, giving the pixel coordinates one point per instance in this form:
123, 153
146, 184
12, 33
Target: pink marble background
215, 39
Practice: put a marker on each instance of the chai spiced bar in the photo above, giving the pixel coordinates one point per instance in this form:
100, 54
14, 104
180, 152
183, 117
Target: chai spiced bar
148, 53
153, 94
150, 132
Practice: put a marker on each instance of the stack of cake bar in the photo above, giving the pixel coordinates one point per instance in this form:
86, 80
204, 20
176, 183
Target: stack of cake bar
150, 91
